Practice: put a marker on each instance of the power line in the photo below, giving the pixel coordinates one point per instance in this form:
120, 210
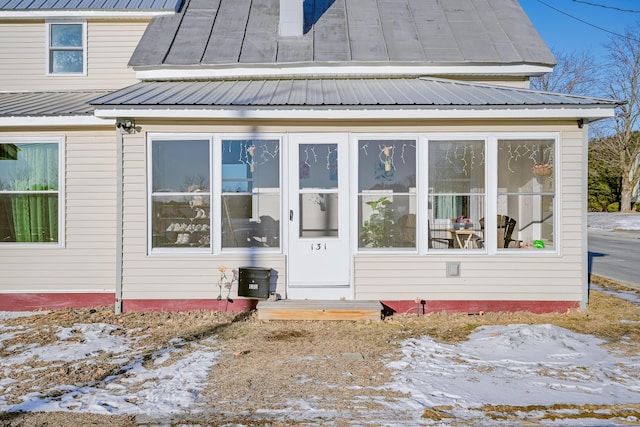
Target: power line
588, 23
604, 6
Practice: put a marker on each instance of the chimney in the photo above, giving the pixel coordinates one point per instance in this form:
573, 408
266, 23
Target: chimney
291, 18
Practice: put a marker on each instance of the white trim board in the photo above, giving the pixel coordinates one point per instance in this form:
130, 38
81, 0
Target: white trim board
201, 71
336, 114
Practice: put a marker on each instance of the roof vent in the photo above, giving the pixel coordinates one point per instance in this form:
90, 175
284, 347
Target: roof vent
291, 18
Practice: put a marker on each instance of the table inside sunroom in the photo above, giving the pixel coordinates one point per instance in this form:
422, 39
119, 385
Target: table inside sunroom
464, 237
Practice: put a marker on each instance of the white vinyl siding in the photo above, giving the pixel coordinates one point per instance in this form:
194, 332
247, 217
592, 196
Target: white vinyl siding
518, 275
24, 61
86, 261
525, 275
174, 275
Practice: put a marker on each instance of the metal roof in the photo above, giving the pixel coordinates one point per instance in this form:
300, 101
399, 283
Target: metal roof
90, 5
417, 32
47, 104
300, 93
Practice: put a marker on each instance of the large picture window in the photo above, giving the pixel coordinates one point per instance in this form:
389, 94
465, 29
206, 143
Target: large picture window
456, 194
66, 48
387, 193
526, 194
180, 194
29, 192
250, 204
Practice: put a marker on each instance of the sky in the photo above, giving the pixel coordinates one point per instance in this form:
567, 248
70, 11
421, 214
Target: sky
581, 25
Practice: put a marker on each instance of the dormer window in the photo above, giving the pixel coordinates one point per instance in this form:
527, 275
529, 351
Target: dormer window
66, 48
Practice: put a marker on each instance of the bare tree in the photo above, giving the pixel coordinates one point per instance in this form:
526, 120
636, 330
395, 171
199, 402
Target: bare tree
622, 78
575, 73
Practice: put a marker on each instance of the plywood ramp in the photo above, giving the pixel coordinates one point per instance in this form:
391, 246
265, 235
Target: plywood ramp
319, 310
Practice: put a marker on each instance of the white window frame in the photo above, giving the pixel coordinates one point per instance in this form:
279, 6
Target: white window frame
216, 188
215, 176
60, 141
48, 50
492, 209
426, 194
153, 137
491, 190
355, 203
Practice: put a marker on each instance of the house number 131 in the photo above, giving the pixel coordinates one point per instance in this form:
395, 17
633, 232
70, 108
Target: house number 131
318, 246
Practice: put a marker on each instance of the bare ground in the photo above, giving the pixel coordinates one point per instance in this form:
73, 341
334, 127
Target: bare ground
264, 366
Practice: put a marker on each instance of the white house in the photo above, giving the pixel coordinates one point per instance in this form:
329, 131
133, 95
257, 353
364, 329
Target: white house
324, 146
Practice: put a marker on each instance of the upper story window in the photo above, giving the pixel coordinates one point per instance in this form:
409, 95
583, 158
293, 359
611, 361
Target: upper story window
30, 192
66, 48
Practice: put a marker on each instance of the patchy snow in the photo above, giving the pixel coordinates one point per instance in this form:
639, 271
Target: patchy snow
508, 365
516, 365
503, 365
612, 221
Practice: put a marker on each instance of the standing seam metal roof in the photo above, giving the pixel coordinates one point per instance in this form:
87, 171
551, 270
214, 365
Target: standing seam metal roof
90, 5
47, 104
212, 32
420, 92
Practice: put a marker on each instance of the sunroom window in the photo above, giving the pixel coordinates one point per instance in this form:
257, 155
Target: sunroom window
456, 194
526, 194
66, 48
29, 192
180, 194
250, 204
387, 193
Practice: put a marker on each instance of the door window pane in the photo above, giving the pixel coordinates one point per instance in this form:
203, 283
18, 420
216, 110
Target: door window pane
526, 193
250, 204
387, 194
318, 215
318, 166
318, 170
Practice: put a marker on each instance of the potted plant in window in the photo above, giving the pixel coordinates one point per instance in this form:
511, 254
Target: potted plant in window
378, 230
542, 169
460, 222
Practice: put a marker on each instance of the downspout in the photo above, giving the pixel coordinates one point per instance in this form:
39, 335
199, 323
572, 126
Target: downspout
586, 278
119, 217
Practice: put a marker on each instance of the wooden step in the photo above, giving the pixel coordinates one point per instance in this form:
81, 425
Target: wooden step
319, 310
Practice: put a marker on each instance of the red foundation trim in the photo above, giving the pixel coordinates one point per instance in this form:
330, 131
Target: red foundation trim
426, 306
238, 305
54, 301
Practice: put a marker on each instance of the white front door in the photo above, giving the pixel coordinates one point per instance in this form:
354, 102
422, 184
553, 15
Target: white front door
319, 254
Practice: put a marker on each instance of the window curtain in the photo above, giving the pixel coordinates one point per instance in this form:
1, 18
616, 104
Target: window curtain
446, 207
34, 207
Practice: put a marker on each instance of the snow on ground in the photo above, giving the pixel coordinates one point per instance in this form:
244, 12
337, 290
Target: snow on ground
606, 221
516, 365
508, 365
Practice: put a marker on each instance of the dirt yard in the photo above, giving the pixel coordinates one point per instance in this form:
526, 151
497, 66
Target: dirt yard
264, 365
